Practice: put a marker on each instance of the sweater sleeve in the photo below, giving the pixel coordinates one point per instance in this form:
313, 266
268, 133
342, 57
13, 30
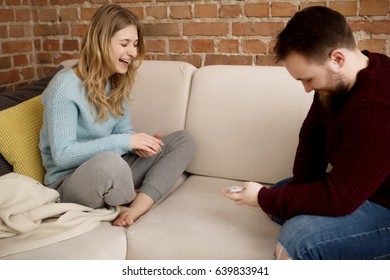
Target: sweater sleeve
310, 162
361, 164
124, 125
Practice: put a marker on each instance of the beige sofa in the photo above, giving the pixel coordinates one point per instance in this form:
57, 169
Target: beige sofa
245, 120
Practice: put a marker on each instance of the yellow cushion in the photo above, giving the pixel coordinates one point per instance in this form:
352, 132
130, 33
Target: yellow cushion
19, 137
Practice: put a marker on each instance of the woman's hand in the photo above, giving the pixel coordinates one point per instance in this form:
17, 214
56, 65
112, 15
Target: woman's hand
248, 196
146, 145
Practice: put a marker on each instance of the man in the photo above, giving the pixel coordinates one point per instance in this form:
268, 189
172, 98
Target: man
343, 213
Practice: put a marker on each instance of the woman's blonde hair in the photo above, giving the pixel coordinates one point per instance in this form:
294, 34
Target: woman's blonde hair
95, 66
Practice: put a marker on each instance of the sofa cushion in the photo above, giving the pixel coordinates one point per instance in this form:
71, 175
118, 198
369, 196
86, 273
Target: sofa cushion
12, 98
104, 242
19, 137
245, 121
198, 222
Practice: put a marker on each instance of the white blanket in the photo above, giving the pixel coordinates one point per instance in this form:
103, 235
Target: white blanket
30, 217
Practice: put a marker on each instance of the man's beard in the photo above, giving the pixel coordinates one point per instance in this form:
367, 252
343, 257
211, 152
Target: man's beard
333, 99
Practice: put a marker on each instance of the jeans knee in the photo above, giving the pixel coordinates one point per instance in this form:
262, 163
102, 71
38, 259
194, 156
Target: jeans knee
297, 237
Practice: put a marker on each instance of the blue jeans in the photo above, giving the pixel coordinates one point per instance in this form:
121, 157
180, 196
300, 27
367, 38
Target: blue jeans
364, 234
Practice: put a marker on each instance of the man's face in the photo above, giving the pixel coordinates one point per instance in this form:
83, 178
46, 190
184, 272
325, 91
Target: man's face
324, 78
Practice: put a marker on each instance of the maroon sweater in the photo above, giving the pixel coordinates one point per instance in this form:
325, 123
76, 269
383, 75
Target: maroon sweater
355, 140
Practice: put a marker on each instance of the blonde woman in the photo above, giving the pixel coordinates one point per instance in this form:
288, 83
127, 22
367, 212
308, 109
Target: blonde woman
90, 151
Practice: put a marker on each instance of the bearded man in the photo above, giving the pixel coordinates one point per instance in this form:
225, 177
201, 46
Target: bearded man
341, 212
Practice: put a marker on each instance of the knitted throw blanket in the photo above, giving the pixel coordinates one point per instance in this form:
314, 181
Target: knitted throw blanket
31, 218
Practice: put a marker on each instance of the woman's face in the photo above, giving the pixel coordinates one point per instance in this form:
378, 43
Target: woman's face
124, 48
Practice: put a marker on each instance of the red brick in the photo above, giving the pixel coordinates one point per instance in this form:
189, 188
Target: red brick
256, 9
374, 7
47, 15
206, 28
228, 46
156, 12
70, 45
266, 60
8, 77
202, 46
99, 1
28, 73
180, 12
67, 14
154, 45
162, 29
283, 9
51, 29
170, 1
347, 8
371, 27
87, 13
13, 2
16, 46
43, 58
20, 60
16, 31
179, 46
374, 45
138, 11
131, 1
253, 46
40, 2
23, 15
5, 62
310, 4
66, 2
79, 29
51, 45
257, 28
6, 15
37, 44
230, 11
205, 11
3, 32
57, 59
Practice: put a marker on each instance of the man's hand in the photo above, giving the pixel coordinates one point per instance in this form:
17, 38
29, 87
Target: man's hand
248, 196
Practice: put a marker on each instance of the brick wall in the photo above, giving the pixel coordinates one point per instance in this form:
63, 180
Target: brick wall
38, 34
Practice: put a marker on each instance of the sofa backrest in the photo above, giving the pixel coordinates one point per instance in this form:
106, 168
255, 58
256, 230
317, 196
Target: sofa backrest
159, 98
246, 121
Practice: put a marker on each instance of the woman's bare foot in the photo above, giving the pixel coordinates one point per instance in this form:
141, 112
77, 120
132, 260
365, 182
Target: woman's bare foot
125, 218
128, 215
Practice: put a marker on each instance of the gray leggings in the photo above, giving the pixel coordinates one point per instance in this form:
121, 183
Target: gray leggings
111, 179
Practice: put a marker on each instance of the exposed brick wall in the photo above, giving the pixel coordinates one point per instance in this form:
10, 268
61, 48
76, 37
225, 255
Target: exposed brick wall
38, 34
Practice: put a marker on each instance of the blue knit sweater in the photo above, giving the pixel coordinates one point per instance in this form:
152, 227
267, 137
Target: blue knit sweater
70, 133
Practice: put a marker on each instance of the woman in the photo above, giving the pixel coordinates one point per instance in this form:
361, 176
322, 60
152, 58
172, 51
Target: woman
90, 151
